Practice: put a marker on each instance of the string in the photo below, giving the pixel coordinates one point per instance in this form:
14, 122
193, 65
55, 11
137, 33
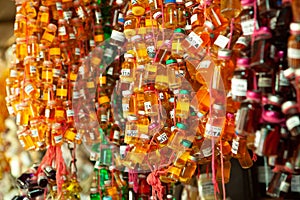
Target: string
231, 32
222, 171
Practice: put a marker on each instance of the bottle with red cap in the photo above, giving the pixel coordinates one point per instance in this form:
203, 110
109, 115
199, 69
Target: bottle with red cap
249, 22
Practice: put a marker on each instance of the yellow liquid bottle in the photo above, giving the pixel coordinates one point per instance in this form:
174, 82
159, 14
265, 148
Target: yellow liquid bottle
131, 130
151, 105
226, 170
230, 8
49, 34
170, 18
20, 26
188, 170
130, 24
173, 74
183, 104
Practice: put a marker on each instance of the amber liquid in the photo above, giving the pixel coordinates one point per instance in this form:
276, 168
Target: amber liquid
226, 171
230, 8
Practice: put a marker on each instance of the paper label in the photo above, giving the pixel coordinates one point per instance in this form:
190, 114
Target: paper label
221, 41
194, 40
125, 107
161, 95
206, 190
293, 53
207, 151
131, 133
32, 69
125, 72
262, 174
194, 18
13, 73
284, 187
162, 138
127, 23
28, 89
214, 131
235, 146
90, 84
248, 26
58, 6
77, 51
11, 110
62, 31
151, 51
59, 113
70, 113
34, 133
57, 139
283, 81
48, 36
61, 92
108, 52
238, 87
271, 160
204, 64
147, 106
47, 113
292, 122
99, 38
54, 51
92, 135
295, 184
172, 113
116, 135
78, 136
119, 36
45, 17
264, 82
56, 72
103, 118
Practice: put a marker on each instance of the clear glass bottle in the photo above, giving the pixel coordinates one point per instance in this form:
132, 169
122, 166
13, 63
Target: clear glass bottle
140, 49
230, 8
248, 22
131, 130
173, 74
151, 105
178, 37
294, 46
290, 109
183, 104
130, 24
49, 34
216, 122
188, 170
170, 15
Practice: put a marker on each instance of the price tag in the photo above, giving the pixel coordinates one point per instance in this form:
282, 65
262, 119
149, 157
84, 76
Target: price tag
125, 72
194, 40
147, 106
235, 146
292, 122
214, 131
295, 184
162, 138
238, 87
221, 41
131, 133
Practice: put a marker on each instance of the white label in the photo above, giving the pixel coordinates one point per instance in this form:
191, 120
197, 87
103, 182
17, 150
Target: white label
116, 135
78, 136
108, 52
22, 143
172, 114
264, 82
271, 160
204, 64
56, 72
67, 15
235, 146
80, 12
92, 42
283, 81
179, 73
72, 36
262, 174
13, 73
194, 18
16, 26
125, 107
161, 95
147, 106
32, 69
292, 122
92, 136
119, 36
238, 87
207, 151
103, 118
221, 41
58, 6
151, 51
285, 154
206, 190
162, 138
293, 53
194, 40
127, 23
131, 133
28, 89
214, 131
11, 110
34, 133
47, 113
248, 26
18, 119
77, 51
62, 31
76, 94
295, 184
70, 113
57, 139
284, 187
123, 151
257, 138
125, 72
110, 71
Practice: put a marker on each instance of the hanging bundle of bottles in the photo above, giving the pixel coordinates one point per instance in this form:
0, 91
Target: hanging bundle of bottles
155, 86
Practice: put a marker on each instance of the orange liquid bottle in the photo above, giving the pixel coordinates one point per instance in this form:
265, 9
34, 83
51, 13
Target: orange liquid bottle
130, 24
230, 8
170, 18
151, 101
20, 25
226, 171
49, 34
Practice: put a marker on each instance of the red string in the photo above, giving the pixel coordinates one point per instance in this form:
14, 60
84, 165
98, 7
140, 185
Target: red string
254, 156
133, 177
231, 32
60, 168
155, 183
222, 171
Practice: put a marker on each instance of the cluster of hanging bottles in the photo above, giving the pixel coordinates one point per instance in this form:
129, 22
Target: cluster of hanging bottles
156, 85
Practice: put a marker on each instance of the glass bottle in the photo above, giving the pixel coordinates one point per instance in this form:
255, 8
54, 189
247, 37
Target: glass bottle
31, 68
242, 79
173, 74
38, 128
50, 111
248, 22
56, 134
47, 72
184, 152
290, 109
63, 34
197, 19
43, 18
78, 28
183, 104
180, 12
117, 34
170, 17
130, 24
214, 14
293, 46
216, 122
188, 170
99, 34
33, 48
267, 9
131, 130
49, 34
178, 37
62, 89
240, 151
241, 48
140, 49
171, 176
226, 171
295, 9
151, 100
206, 186
21, 49
20, 25
25, 139
247, 116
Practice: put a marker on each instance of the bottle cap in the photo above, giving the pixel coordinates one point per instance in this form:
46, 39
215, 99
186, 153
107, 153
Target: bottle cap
157, 15
179, 30
179, 1
136, 37
254, 94
288, 105
170, 1
184, 91
186, 143
280, 54
93, 189
126, 92
295, 26
274, 99
181, 125
170, 61
244, 62
224, 53
131, 117
189, 4
107, 198
246, 2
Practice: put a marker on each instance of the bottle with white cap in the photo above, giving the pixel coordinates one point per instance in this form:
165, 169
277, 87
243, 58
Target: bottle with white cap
293, 51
